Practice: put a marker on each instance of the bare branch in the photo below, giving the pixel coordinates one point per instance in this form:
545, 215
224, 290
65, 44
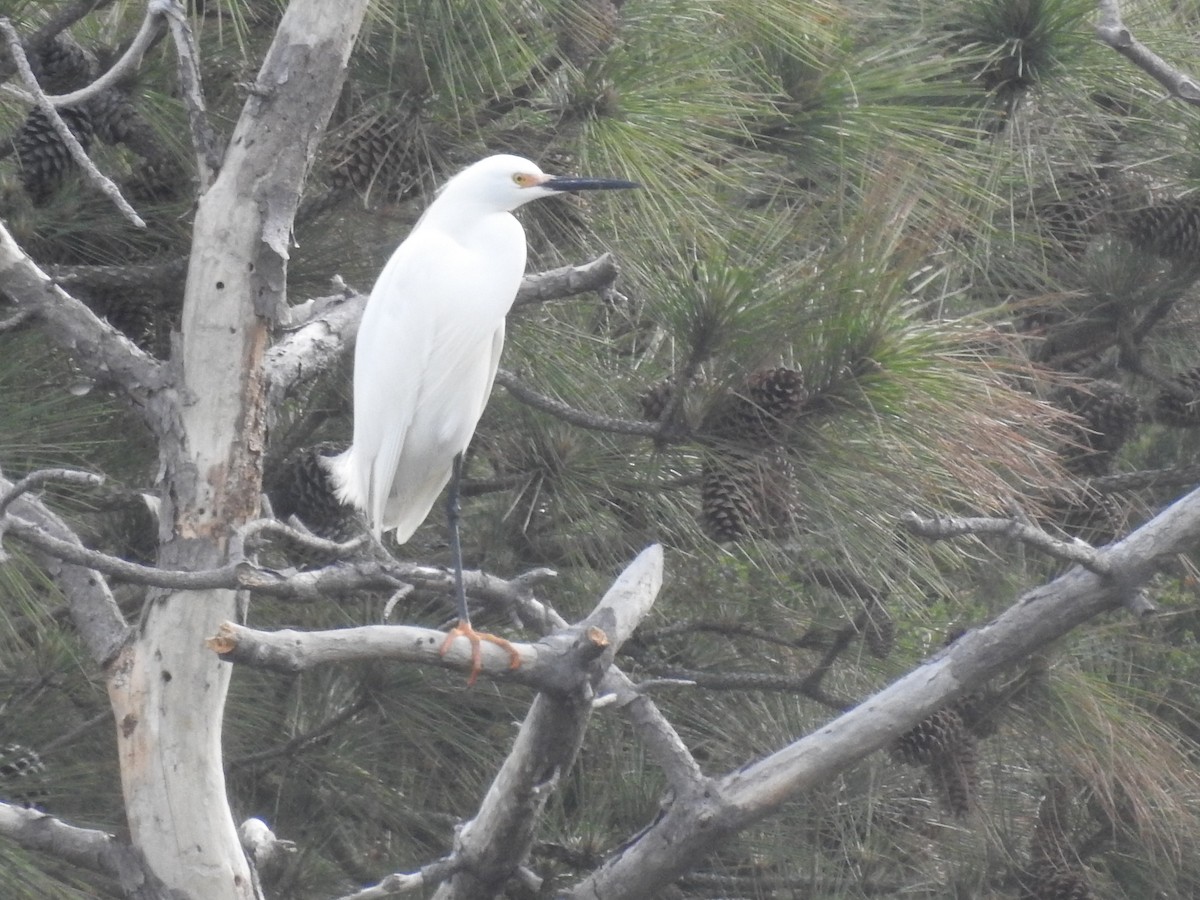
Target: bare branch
942, 527
489, 848
35, 480
102, 352
305, 540
87, 848
101, 181
147, 34
567, 281
696, 823
91, 604
16, 321
808, 686
1113, 32
204, 140
560, 410
656, 732
398, 883
1176, 476
551, 664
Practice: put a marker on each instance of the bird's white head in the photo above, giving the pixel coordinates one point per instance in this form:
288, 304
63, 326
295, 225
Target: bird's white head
502, 183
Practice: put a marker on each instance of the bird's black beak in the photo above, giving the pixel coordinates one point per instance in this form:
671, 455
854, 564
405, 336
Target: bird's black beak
579, 183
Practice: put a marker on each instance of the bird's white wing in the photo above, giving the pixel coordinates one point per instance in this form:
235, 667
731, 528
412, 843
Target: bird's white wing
427, 351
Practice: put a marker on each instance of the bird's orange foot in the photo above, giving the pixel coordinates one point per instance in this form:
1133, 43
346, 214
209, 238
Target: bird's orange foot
464, 629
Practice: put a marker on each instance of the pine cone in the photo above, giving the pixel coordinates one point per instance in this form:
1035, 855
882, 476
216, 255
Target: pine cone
1111, 416
62, 65
378, 156
1170, 229
43, 156
725, 505
778, 393
768, 402
1180, 408
1075, 208
654, 399
939, 735
955, 776
302, 487
749, 495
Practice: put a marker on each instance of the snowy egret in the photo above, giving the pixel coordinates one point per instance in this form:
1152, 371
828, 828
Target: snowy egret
428, 347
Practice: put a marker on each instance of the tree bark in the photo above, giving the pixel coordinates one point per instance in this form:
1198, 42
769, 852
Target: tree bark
168, 692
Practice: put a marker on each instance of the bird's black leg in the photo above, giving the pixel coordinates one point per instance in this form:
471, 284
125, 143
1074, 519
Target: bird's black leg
463, 628
453, 515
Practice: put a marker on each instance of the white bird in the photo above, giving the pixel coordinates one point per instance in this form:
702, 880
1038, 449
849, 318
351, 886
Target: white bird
428, 347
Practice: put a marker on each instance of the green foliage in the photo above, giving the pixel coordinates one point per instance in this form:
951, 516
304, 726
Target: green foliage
924, 209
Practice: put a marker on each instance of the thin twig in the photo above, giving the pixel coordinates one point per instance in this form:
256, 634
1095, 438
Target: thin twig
300, 742
560, 410
306, 540
752, 681
942, 527
101, 181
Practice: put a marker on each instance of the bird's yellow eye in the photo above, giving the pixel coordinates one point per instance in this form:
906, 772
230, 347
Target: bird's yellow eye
521, 179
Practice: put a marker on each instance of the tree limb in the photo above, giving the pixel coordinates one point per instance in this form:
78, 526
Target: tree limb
942, 527
101, 181
102, 352
292, 651
488, 850
696, 823
147, 34
34, 480
96, 851
93, 609
567, 281
560, 410
321, 339
1113, 32
205, 141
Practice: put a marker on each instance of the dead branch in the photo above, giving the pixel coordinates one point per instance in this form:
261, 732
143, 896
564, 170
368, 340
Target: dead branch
98, 179
551, 664
696, 823
1113, 32
102, 352
567, 281
91, 604
147, 34
942, 527
560, 410
488, 849
96, 851
35, 480
399, 883
327, 331
806, 686
205, 141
